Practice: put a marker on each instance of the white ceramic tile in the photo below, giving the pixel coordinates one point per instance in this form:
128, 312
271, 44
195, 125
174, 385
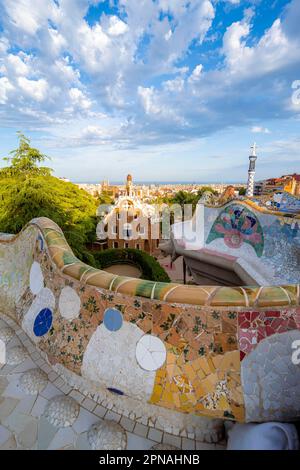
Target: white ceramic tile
46, 433
150, 353
69, 303
84, 421
4, 434
13, 389
28, 436
82, 442
39, 406
36, 278
135, 442
50, 391
26, 404
17, 421
6, 407
63, 437
26, 365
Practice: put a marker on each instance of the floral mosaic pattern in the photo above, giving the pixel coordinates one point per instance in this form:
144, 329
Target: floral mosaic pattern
238, 225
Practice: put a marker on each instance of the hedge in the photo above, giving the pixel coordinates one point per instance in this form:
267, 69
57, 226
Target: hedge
150, 268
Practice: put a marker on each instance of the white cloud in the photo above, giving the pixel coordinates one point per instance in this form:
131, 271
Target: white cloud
58, 30
30, 15
35, 89
168, 35
174, 86
134, 65
68, 73
5, 88
116, 26
148, 100
291, 19
157, 110
56, 41
234, 47
92, 46
17, 64
93, 131
260, 130
78, 99
4, 45
196, 74
273, 51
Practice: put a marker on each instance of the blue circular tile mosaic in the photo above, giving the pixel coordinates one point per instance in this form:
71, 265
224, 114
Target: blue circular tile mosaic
113, 319
43, 322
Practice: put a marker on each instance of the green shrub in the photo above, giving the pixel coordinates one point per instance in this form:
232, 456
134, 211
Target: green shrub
150, 268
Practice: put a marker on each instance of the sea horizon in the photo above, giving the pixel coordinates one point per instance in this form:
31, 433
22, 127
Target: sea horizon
161, 183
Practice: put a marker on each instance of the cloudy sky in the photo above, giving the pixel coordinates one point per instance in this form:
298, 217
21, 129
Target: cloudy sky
168, 90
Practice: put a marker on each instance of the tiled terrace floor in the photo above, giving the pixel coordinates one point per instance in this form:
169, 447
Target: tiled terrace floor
23, 421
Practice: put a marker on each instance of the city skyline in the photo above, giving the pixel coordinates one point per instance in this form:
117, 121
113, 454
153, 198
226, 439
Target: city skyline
169, 90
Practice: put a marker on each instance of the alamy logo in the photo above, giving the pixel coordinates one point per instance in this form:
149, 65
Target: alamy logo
296, 353
296, 94
157, 224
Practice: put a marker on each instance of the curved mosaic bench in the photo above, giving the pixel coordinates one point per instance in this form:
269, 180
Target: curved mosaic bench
262, 247
216, 352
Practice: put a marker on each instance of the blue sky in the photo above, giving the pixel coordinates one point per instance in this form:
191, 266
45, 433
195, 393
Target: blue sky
168, 90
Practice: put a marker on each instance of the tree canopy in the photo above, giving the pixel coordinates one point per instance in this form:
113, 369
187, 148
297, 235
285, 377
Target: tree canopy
185, 197
105, 198
25, 159
28, 191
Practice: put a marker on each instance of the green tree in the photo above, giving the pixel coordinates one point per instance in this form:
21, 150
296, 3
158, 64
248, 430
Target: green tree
25, 159
242, 191
105, 198
28, 191
183, 197
204, 189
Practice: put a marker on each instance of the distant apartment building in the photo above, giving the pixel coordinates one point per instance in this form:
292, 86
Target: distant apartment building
286, 183
110, 190
293, 185
92, 189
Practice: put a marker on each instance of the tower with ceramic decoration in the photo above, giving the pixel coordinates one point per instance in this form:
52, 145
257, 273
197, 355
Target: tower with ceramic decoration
251, 171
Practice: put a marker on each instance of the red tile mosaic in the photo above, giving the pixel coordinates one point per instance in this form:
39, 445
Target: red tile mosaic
253, 327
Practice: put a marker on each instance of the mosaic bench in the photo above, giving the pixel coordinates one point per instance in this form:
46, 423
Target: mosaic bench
213, 352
